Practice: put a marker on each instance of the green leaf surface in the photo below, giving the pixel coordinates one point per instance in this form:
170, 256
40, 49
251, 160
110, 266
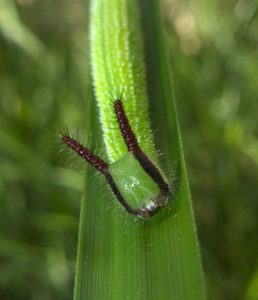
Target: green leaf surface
120, 257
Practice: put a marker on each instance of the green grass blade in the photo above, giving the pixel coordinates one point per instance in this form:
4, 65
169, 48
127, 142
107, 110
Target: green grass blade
159, 259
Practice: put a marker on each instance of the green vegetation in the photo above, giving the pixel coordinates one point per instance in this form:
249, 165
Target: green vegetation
44, 87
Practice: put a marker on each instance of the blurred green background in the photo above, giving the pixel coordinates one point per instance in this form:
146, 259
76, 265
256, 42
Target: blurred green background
43, 89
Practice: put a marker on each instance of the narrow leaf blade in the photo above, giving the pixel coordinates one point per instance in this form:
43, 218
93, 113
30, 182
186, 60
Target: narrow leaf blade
123, 258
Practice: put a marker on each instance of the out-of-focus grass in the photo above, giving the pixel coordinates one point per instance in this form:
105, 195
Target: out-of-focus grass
43, 88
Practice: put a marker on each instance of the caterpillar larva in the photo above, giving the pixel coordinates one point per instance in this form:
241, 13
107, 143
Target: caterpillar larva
118, 70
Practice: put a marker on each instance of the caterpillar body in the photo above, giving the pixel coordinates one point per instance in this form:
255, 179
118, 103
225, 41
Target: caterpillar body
118, 71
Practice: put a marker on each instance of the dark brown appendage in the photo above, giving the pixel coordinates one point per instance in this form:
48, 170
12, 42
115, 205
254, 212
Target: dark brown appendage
134, 148
85, 153
101, 166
